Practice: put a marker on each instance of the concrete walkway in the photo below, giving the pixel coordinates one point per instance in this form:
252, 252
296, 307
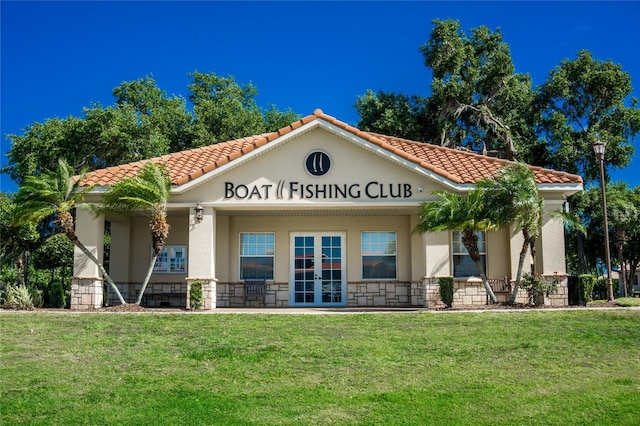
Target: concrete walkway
320, 311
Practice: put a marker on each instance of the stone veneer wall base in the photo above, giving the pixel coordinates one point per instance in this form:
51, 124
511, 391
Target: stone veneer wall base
86, 293
472, 293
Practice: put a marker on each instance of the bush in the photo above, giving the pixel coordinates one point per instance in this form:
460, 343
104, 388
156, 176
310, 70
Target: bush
536, 286
36, 297
195, 295
57, 297
586, 283
600, 289
445, 285
18, 297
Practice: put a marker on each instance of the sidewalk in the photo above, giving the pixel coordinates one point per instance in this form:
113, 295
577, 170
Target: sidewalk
317, 311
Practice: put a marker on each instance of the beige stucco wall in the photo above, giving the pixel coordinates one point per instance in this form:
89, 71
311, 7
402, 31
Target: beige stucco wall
140, 243
498, 254
284, 163
227, 269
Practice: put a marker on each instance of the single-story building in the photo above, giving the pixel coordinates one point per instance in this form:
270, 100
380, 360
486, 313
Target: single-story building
322, 212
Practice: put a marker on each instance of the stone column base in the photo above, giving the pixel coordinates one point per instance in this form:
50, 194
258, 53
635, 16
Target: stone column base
208, 292
86, 293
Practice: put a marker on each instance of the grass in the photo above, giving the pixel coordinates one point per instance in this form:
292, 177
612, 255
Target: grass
628, 301
527, 368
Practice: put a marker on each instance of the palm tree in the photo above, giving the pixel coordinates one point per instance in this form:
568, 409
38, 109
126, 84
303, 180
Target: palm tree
147, 193
458, 212
512, 198
55, 194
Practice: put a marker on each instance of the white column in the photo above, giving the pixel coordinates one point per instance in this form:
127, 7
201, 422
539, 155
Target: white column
90, 232
87, 282
418, 252
201, 253
551, 255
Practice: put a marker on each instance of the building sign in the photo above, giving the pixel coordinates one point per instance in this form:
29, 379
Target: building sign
290, 190
317, 163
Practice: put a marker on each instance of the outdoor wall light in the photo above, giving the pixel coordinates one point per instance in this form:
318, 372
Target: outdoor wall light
199, 209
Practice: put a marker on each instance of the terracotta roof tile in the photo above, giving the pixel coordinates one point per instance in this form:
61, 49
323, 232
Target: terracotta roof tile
457, 166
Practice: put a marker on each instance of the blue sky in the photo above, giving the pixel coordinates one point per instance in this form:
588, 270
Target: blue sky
58, 57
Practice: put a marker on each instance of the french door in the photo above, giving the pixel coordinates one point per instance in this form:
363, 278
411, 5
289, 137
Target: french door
318, 269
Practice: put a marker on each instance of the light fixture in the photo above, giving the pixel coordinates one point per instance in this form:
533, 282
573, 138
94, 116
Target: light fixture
599, 148
199, 209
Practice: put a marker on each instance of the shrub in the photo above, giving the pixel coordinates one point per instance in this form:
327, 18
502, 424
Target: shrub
600, 289
586, 283
57, 298
445, 285
536, 286
195, 295
18, 297
36, 297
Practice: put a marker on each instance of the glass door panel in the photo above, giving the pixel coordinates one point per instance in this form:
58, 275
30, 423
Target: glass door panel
318, 269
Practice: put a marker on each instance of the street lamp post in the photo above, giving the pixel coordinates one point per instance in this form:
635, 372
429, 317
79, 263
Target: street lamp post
599, 148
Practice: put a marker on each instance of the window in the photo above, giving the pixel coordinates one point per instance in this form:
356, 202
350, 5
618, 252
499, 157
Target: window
257, 253
171, 260
378, 255
463, 266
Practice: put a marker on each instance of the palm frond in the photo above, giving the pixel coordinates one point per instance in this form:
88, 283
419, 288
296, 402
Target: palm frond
47, 194
143, 193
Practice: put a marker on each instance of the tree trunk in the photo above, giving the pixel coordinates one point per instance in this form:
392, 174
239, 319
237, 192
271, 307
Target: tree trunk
582, 257
470, 242
621, 277
523, 254
148, 276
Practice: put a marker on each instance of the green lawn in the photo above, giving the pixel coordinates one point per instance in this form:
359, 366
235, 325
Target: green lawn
512, 368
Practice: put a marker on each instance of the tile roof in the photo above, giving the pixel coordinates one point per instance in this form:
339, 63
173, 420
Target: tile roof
459, 167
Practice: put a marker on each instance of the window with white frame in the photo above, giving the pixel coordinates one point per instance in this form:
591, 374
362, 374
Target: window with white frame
463, 265
379, 255
257, 255
171, 260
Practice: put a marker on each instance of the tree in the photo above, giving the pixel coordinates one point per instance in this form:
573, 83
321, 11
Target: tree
143, 123
623, 218
512, 198
632, 245
584, 100
163, 116
147, 193
56, 252
476, 95
16, 239
55, 194
391, 114
468, 213
623, 212
274, 119
225, 110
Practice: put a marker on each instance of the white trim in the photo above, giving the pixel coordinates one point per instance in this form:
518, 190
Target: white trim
244, 158
362, 255
318, 267
240, 256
